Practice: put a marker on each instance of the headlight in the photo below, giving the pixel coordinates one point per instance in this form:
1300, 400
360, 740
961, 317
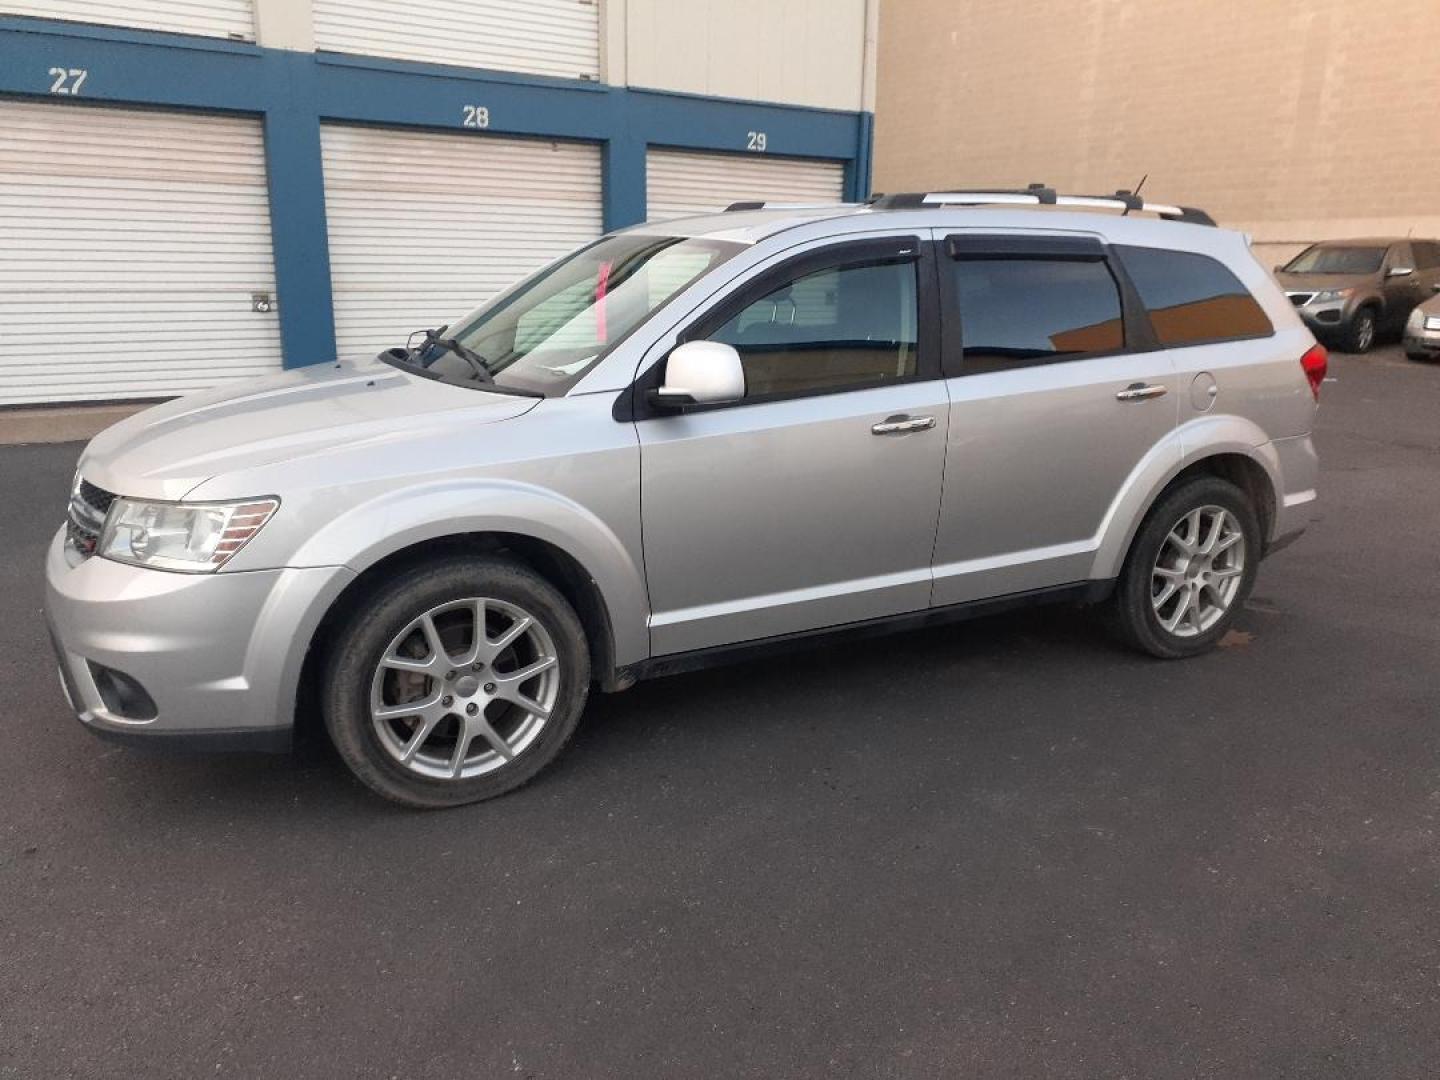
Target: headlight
1332, 294
197, 538
1416, 320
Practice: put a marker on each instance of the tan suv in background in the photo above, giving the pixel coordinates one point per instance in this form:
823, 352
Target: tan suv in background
1350, 292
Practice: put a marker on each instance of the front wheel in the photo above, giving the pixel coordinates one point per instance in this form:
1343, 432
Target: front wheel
457, 681
1360, 334
1189, 570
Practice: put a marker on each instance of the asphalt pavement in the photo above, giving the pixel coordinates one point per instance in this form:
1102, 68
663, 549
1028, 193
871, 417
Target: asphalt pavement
1007, 848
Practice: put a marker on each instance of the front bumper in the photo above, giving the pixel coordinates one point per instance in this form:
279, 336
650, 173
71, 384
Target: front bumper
1422, 342
219, 655
1325, 319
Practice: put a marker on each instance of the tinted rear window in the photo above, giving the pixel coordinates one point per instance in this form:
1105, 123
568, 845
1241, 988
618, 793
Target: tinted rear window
1192, 298
1024, 311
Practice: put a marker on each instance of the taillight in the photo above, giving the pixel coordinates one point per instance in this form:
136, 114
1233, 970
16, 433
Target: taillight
1315, 362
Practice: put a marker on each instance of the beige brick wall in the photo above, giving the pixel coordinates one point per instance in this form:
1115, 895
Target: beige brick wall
1292, 120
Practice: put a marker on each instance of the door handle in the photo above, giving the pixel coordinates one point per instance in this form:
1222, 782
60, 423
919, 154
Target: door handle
1141, 392
899, 425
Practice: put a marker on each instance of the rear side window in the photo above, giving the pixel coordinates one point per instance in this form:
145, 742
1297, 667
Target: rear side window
1015, 312
1193, 298
1427, 254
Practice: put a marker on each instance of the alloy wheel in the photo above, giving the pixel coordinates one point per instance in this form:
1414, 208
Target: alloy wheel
464, 688
1198, 571
1365, 332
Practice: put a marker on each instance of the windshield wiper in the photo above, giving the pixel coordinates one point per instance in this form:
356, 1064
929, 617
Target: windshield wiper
469, 355
411, 359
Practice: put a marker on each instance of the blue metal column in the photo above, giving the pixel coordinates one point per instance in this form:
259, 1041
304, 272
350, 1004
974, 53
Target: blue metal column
297, 209
623, 162
859, 168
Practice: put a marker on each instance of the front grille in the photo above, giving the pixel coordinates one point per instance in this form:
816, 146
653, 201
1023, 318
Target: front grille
1300, 299
88, 506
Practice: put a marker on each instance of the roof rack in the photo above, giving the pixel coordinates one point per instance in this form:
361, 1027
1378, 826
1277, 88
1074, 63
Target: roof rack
750, 205
1041, 195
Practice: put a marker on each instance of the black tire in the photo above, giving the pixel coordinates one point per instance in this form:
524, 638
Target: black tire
1357, 338
1131, 611
360, 643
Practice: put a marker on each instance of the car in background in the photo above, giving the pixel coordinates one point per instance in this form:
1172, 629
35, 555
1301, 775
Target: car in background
1350, 292
1422, 331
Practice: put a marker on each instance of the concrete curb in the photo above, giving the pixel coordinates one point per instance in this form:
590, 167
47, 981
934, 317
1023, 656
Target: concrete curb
56, 425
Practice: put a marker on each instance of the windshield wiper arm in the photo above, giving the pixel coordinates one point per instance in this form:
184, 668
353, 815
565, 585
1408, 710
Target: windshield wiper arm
469, 355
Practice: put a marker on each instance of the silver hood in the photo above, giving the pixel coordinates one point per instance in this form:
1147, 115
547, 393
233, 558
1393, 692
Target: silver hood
167, 451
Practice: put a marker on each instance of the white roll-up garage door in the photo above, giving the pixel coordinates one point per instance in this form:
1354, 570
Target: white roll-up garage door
540, 37
215, 18
424, 226
133, 242
680, 182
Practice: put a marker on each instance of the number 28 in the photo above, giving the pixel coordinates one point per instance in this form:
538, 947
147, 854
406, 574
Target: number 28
475, 116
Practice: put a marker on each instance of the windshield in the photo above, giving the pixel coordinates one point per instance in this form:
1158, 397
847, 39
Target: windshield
544, 334
1337, 260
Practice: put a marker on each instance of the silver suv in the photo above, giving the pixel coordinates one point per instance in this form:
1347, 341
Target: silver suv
683, 442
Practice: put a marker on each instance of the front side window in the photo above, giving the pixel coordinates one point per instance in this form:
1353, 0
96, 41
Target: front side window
1427, 257
1400, 256
544, 334
1326, 259
1192, 298
842, 326
1019, 311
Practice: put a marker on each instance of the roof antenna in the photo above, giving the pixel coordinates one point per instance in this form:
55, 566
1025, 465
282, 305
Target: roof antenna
1141, 184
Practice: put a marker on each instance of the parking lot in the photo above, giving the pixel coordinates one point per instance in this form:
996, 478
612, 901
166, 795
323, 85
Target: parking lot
1008, 848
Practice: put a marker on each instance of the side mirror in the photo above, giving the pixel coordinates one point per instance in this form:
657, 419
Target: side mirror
700, 373
1435, 287
1279, 269
1400, 271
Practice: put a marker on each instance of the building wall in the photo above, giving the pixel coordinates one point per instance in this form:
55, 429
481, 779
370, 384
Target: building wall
802, 52
1293, 121
266, 67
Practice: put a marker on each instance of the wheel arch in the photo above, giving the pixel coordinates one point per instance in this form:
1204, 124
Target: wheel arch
1223, 447
552, 562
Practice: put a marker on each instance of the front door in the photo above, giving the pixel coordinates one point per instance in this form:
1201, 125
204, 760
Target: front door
1403, 291
812, 501
1054, 403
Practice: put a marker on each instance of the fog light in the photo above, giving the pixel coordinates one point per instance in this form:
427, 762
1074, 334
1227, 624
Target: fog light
121, 694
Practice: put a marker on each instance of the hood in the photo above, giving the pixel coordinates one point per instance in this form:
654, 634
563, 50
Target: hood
167, 451
1317, 282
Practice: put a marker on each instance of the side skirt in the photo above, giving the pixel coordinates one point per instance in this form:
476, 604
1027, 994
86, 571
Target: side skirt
1082, 592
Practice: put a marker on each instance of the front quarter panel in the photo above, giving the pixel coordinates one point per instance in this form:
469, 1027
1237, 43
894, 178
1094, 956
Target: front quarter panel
566, 473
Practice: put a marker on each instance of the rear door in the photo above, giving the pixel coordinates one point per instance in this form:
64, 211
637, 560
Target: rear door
1056, 394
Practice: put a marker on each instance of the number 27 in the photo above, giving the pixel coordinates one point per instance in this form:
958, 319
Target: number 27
67, 80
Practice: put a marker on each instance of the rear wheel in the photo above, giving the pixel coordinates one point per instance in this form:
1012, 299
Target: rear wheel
1360, 334
1189, 570
457, 681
